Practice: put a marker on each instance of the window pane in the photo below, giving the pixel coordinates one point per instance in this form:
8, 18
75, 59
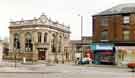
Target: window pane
126, 19
104, 21
45, 37
28, 42
126, 35
16, 43
39, 37
104, 35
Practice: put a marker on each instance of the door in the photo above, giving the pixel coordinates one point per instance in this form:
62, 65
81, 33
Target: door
42, 55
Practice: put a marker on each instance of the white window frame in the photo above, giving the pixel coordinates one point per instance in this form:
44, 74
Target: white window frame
126, 19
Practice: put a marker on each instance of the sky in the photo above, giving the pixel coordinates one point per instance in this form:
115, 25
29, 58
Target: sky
64, 11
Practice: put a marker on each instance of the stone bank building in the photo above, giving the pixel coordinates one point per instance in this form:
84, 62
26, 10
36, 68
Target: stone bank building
39, 39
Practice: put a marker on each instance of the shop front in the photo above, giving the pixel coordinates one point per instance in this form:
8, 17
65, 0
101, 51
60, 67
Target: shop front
125, 55
104, 53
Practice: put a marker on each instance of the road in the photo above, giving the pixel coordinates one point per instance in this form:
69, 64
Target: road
66, 71
70, 71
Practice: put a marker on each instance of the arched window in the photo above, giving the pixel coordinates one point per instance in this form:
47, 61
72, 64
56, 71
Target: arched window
39, 37
45, 37
60, 39
28, 42
53, 43
16, 41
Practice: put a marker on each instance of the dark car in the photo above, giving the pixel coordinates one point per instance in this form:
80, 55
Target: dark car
84, 61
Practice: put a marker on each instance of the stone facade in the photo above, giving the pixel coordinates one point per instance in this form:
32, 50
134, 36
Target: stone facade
38, 39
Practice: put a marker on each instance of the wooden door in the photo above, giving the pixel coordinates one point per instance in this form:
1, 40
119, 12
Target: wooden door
41, 55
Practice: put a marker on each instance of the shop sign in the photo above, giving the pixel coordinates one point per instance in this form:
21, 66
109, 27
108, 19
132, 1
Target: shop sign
104, 47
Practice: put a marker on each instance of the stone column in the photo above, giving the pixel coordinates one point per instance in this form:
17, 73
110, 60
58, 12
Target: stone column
42, 37
57, 47
22, 41
48, 45
11, 42
34, 41
48, 52
11, 47
22, 45
62, 49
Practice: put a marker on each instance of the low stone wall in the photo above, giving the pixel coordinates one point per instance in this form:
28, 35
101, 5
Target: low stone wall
59, 58
19, 56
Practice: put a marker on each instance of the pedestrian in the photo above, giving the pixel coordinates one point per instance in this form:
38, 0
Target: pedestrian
77, 61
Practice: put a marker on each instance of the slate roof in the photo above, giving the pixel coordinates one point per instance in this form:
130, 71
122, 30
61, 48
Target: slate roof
119, 9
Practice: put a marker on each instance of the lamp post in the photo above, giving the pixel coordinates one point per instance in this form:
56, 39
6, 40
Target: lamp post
81, 17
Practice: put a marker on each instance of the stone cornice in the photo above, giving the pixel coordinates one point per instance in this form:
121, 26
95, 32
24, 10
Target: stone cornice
40, 27
41, 21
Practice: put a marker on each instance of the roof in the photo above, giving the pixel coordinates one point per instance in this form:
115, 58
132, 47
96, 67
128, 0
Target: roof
119, 9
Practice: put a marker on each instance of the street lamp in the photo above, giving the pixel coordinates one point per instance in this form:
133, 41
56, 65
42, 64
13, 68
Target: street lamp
81, 17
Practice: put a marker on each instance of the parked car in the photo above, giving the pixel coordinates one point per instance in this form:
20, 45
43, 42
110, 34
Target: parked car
132, 66
84, 60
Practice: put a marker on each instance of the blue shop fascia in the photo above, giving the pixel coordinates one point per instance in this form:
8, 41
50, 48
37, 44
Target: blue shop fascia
104, 53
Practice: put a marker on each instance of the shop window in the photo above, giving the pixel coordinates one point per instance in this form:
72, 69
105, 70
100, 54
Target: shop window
104, 21
126, 35
126, 19
104, 35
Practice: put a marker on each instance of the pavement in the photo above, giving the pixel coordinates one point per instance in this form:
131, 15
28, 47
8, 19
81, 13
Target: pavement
9, 66
44, 70
88, 71
106, 66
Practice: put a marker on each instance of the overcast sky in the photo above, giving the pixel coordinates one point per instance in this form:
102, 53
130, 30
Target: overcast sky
66, 11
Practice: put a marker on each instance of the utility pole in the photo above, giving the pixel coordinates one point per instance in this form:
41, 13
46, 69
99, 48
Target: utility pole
81, 27
81, 35
81, 20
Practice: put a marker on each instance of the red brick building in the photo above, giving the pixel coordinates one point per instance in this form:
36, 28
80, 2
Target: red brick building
115, 25
114, 31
